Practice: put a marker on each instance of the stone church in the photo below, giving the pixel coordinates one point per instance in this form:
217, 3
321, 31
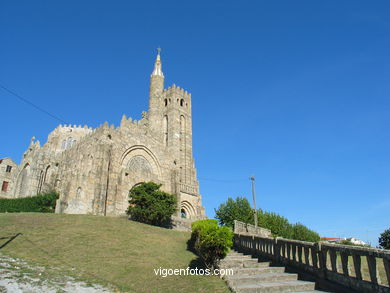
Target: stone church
93, 170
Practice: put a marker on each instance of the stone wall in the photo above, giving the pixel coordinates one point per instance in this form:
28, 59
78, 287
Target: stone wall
248, 229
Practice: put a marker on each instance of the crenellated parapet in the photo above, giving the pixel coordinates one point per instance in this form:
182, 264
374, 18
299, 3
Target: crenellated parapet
135, 127
176, 95
65, 136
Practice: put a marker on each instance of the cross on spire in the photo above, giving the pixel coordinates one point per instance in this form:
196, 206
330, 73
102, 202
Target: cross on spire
157, 64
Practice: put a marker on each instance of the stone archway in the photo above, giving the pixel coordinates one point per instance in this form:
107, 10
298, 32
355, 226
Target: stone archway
138, 164
142, 157
187, 209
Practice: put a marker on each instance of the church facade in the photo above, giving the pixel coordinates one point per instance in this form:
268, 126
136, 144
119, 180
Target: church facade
93, 170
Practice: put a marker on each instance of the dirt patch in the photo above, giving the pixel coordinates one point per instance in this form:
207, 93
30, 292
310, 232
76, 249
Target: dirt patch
18, 276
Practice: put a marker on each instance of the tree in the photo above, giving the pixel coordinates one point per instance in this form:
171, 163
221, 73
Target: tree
239, 209
278, 225
301, 232
384, 239
149, 205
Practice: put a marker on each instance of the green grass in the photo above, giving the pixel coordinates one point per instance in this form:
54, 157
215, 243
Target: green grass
113, 252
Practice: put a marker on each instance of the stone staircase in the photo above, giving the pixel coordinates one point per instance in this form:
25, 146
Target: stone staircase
252, 276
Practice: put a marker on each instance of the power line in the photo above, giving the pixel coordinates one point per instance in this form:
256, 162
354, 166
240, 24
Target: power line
222, 180
31, 104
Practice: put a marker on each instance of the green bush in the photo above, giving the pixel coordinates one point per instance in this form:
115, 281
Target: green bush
210, 241
42, 203
150, 205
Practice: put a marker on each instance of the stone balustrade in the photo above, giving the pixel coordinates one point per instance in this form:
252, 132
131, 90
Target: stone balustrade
347, 266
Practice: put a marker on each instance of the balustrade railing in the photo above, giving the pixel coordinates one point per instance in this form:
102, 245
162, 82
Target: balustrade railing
359, 268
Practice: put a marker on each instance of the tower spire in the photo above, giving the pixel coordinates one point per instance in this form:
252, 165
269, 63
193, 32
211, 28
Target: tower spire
157, 65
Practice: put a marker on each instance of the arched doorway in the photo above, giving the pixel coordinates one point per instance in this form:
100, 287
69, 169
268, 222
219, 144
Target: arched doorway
183, 214
186, 210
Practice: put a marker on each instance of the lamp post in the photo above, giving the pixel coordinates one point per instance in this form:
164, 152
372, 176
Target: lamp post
254, 199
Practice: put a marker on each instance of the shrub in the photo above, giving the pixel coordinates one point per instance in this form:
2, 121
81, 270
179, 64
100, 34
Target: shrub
210, 241
384, 239
150, 205
42, 203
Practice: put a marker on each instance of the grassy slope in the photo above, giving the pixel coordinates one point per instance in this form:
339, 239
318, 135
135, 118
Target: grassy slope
109, 251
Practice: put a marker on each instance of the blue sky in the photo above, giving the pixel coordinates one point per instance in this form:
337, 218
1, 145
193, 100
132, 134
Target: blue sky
293, 92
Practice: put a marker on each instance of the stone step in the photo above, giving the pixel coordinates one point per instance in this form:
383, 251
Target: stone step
236, 280
239, 260
275, 287
263, 264
234, 252
238, 257
243, 264
255, 271
311, 291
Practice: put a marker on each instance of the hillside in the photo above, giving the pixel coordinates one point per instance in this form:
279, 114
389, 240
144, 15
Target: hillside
113, 252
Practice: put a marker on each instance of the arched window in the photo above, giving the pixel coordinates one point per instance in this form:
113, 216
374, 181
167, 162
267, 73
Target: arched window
182, 124
166, 102
139, 164
79, 193
182, 102
69, 142
165, 127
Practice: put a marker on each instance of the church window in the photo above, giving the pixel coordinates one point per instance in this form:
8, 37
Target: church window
182, 124
69, 142
8, 169
182, 102
166, 130
4, 187
139, 164
78, 193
